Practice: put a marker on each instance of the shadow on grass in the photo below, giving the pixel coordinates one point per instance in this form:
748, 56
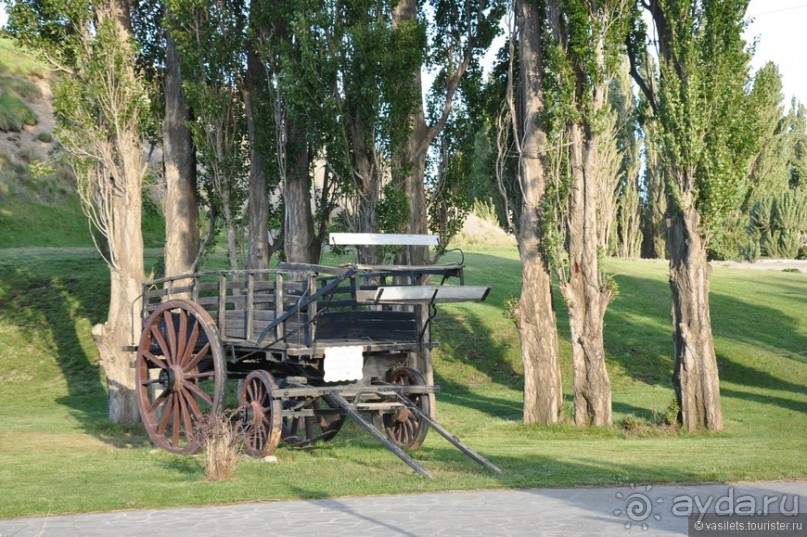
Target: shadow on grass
537, 470
47, 299
638, 332
763, 399
189, 466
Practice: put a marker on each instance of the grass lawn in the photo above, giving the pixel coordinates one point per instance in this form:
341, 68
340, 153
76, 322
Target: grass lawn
58, 454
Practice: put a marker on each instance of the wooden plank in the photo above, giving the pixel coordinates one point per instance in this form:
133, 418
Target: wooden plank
370, 315
368, 325
250, 306
382, 239
236, 328
319, 269
411, 268
422, 294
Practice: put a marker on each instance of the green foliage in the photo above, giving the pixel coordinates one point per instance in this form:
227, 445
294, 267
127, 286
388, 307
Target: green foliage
16, 89
779, 223
796, 129
768, 171
486, 210
392, 211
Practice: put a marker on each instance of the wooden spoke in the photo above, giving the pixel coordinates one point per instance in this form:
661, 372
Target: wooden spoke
166, 415
182, 336
198, 358
186, 356
403, 426
172, 404
155, 331
157, 402
171, 355
197, 376
260, 413
199, 393
154, 360
193, 405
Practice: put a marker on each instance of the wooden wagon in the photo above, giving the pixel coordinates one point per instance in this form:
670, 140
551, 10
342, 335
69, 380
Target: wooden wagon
307, 345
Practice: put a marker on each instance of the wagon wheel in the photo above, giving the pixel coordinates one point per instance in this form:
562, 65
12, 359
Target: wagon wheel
301, 432
261, 413
181, 374
402, 426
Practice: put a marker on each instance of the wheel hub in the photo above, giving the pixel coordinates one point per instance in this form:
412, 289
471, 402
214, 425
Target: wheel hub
171, 378
402, 414
253, 413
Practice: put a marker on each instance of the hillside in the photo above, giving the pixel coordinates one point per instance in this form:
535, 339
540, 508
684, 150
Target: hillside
37, 188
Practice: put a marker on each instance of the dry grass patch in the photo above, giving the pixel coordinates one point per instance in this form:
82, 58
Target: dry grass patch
222, 441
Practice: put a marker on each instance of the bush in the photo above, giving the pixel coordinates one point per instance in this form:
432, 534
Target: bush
15, 114
22, 87
779, 222
221, 440
45, 137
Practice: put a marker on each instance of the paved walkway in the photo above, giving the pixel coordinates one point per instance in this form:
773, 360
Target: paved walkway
532, 512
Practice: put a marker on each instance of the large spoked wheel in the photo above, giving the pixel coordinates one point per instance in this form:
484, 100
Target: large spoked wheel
261, 413
181, 374
322, 426
403, 426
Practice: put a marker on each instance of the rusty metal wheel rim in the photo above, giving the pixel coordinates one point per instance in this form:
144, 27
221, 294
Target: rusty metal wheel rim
261, 414
402, 426
181, 374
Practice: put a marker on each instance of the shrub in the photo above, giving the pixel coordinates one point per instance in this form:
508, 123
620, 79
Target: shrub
221, 440
779, 222
22, 87
15, 114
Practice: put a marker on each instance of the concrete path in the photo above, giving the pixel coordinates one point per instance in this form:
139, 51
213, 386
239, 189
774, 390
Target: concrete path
640, 510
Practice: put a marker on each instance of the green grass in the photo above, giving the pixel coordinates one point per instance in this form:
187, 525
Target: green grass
16, 61
59, 226
15, 113
58, 454
16, 68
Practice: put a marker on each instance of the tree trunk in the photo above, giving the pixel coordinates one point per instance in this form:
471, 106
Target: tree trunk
123, 322
368, 184
412, 157
181, 206
586, 296
695, 376
300, 243
534, 314
230, 230
535, 321
258, 204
